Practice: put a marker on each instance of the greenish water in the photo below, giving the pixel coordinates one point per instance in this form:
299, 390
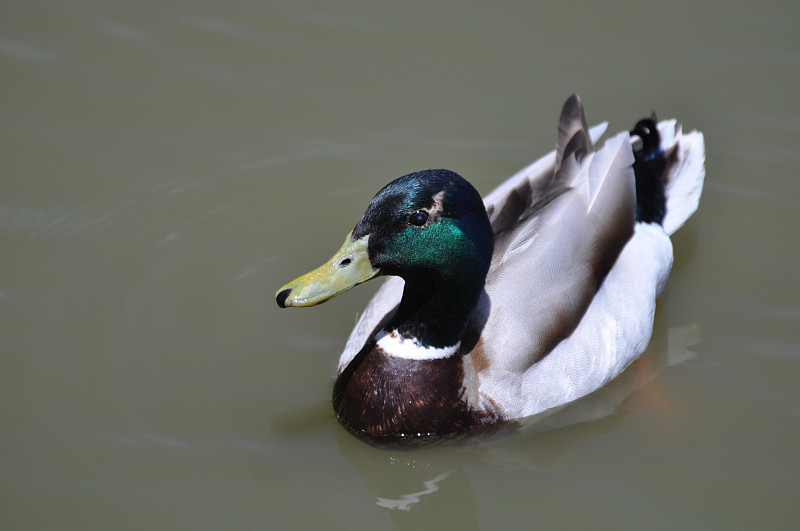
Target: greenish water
167, 166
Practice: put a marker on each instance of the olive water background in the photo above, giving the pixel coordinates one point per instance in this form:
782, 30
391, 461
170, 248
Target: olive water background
166, 166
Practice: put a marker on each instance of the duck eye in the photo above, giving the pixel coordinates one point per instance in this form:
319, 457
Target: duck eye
418, 218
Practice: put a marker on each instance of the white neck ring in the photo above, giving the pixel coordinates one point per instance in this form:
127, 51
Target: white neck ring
394, 344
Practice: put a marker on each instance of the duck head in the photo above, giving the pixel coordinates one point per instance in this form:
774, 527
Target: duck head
430, 228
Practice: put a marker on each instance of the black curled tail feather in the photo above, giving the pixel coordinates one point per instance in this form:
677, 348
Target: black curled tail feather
649, 167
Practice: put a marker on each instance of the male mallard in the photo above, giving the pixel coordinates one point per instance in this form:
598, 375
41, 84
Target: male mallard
525, 301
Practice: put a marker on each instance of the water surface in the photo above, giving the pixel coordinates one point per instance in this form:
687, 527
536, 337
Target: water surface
166, 167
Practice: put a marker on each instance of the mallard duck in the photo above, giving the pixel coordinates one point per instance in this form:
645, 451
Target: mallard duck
510, 306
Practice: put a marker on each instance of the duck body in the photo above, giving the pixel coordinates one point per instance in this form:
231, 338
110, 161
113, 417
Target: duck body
503, 308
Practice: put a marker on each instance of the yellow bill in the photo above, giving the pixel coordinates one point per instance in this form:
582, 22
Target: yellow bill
349, 267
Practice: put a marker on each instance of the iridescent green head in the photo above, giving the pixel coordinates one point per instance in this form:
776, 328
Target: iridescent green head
430, 228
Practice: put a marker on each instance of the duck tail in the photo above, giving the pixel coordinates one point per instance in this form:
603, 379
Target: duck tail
669, 167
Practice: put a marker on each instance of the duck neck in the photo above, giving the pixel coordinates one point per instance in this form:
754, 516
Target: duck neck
434, 316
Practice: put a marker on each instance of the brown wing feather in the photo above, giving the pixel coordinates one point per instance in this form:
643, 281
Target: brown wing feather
550, 261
